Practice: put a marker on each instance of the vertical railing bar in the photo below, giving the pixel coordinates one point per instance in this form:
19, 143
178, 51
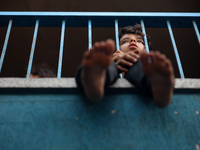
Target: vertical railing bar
117, 38
32, 49
61, 50
196, 30
145, 36
175, 50
117, 34
89, 34
5, 44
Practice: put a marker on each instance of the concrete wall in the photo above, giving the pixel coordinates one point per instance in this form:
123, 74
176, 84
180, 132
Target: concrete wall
56, 115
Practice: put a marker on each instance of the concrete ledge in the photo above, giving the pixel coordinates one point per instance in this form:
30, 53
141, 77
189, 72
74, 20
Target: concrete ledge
70, 83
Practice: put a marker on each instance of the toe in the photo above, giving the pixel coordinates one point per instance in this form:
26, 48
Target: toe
144, 58
86, 55
96, 46
102, 47
154, 57
110, 45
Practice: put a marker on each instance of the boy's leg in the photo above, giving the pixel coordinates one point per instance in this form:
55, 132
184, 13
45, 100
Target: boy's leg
137, 77
161, 74
112, 74
94, 69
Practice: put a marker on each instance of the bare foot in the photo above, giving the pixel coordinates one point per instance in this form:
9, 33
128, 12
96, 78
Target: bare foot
161, 74
94, 65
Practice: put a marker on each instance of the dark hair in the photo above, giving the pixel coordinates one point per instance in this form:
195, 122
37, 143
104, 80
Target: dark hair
136, 29
43, 71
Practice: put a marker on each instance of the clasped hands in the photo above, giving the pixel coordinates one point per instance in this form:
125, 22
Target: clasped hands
124, 60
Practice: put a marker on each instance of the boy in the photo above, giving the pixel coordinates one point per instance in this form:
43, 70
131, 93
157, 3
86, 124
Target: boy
42, 71
152, 72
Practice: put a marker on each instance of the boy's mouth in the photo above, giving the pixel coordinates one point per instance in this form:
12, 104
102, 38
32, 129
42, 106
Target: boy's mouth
132, 46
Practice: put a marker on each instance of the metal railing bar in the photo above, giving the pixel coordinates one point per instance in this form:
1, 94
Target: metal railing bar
61, 50
145, 36
196, 30
117, 39
101, 19
117, 34
5, 44
139, 14
175, 50
89, 34
32, 49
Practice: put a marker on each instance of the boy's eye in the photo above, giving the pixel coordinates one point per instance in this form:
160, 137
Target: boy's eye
140, 41
124, 41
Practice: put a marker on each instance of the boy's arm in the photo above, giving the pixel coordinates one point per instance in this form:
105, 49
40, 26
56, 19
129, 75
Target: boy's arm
124, 60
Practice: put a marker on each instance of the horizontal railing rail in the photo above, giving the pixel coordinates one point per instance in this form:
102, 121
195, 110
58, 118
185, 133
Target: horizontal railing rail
100, 19
96, 19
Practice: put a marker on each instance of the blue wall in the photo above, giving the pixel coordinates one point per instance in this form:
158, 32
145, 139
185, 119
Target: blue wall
53, 119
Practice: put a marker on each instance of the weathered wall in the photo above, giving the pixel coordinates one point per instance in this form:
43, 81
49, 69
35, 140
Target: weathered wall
52, 118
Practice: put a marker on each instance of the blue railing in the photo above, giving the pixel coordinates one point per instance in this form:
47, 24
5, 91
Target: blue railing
96, 19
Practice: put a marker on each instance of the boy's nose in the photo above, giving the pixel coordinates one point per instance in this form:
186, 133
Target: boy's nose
133, 40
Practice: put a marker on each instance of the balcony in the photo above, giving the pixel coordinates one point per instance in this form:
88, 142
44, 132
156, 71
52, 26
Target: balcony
51, 113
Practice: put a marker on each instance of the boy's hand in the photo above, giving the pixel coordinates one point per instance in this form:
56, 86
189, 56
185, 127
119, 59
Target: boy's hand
124, 60
117, 55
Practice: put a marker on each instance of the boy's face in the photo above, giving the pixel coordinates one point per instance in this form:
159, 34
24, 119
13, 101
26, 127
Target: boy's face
132, 43
34, 76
